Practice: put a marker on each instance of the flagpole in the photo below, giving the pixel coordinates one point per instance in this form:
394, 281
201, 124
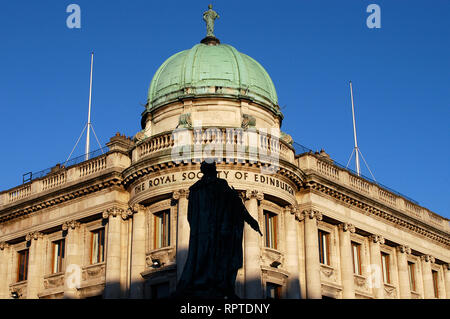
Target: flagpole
89, 112
354, 133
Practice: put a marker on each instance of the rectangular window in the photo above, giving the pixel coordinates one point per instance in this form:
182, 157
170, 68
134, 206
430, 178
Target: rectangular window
435, 283
98, 246
22, 271
356, 254
271, 229
412, 276
273, 291
58, 250
324, 247
162, 229
385, 268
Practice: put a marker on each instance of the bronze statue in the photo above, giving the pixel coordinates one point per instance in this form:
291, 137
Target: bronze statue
216, 215
209, 17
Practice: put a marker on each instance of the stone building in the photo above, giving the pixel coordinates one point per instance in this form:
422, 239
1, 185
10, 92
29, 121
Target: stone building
115, 225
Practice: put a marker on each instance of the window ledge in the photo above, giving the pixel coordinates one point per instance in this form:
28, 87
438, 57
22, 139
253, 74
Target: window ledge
160, 257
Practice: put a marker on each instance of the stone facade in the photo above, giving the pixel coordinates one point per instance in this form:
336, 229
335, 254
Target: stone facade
120, 219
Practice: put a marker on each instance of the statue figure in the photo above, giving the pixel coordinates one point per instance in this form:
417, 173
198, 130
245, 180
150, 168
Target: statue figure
216, 215
209, 17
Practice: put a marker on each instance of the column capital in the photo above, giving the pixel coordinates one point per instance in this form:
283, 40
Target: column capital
427, 258
34, 235
311, 214
249, 194
376, 239
4, 245
113, 212
133, 209
73, 224
180, 193
447, 266
291, 209
347, 227
403, 249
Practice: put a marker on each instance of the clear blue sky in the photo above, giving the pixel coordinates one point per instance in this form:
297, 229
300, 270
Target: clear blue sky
311, 49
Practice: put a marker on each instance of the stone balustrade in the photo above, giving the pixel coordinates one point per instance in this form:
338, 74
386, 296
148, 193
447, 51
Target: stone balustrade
239, 142
58, 178
312, 163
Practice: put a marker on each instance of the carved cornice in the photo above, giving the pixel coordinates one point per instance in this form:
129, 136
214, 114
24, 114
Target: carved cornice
311, 214
113, 212
73, 224
34, 235
376, 239
347, 227
404, 249
249, 194
427, 258
373, 211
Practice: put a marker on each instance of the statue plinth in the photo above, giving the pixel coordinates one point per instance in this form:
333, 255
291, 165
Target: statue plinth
210, 40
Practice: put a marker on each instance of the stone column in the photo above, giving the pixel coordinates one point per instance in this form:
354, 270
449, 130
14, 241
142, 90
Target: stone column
138, 253
112, 285
183, 229
4, 270
252, 249
293, 283
428, 289
313, 281
403, 274
376, 271
35, 279
345, 248
73, 262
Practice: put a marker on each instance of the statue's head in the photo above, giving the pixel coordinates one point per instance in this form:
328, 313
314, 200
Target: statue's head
208, 167
210, 6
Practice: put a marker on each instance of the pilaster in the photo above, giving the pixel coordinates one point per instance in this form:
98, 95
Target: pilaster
403, 274
346, 260
252, 249
312, 261
292, 265
377, 281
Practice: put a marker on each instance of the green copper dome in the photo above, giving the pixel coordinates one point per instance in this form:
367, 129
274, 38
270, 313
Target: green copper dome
211, 70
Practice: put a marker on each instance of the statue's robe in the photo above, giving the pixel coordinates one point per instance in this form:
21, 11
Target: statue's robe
216, 217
